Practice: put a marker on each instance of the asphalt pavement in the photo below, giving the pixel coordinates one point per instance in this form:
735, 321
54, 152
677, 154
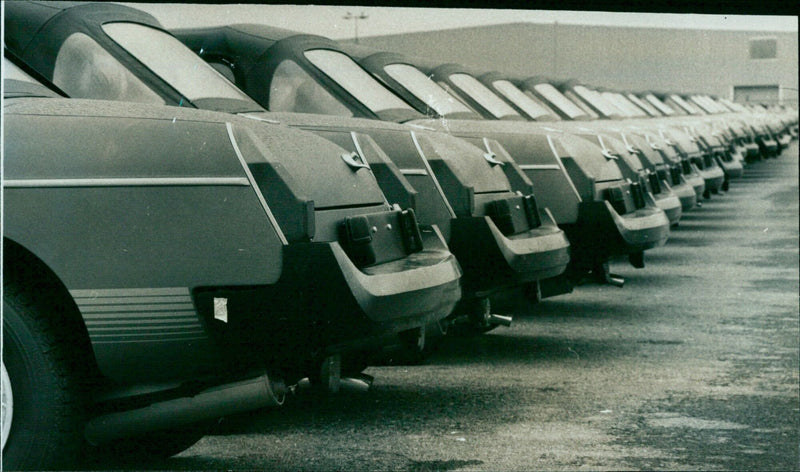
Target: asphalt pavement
693, 364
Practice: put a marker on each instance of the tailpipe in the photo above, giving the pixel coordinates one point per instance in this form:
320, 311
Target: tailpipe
360, 383
329, 380
215, 402
500, 320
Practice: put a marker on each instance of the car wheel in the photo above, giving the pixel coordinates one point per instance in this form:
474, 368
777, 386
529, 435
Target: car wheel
42, 424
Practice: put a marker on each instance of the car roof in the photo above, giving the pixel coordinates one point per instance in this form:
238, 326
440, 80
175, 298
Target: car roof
36, 30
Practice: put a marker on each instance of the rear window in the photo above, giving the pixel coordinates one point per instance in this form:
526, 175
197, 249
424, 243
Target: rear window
171, 60
481, 94
526, 103
425, 89
661, 106
559, 101
83, 69
597, 100
684, 104
623, 103
644, 105
293, 89
355, 80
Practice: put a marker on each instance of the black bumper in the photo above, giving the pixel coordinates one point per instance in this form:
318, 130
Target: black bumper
601, 232
492, 261
324, 304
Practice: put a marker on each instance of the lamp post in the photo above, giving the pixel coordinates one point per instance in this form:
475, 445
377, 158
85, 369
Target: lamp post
350, 16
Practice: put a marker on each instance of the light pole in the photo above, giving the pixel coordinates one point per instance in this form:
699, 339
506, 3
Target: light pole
350, 16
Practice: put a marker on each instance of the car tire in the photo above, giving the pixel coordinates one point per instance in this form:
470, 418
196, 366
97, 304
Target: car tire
44, 406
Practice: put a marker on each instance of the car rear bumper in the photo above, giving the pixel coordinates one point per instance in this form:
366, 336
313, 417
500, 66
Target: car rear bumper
770, 146
753, 151
492, 261
686, 194
733, 168
670, 204
407, 293
698, 184
601, 232
643, 229
324, 303
713, 178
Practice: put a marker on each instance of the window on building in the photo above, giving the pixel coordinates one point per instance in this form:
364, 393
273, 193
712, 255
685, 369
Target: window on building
756, 93
763, 48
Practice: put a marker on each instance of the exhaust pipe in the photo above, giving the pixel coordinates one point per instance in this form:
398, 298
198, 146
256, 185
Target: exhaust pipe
361, 383
215, 402
499, 320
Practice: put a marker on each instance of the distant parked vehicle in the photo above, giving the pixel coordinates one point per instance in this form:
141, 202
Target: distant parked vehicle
481, 97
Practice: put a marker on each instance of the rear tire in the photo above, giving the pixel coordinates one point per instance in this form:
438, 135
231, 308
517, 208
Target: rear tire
47, 412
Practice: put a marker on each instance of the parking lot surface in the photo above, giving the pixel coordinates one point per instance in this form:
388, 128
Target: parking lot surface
693, 364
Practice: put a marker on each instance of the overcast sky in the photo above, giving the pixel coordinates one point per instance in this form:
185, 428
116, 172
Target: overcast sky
328, 20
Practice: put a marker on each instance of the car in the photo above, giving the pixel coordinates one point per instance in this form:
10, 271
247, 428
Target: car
462, 81
713, 144
502, 239
263, 50
542, 88
164, 266
580, 200
703, 158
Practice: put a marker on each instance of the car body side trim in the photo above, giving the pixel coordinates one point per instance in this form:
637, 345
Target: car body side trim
139, 315
363, 156
127, 182
539, 167
254, 185
433, 176
561, 164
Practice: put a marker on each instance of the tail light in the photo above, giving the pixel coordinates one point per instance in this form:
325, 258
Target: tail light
699, 163
637, 192
675, 173
409, 230
532, 211
655, 182
616, 196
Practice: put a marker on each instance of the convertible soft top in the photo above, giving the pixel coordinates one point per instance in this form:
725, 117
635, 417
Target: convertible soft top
260, 49
47, 25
